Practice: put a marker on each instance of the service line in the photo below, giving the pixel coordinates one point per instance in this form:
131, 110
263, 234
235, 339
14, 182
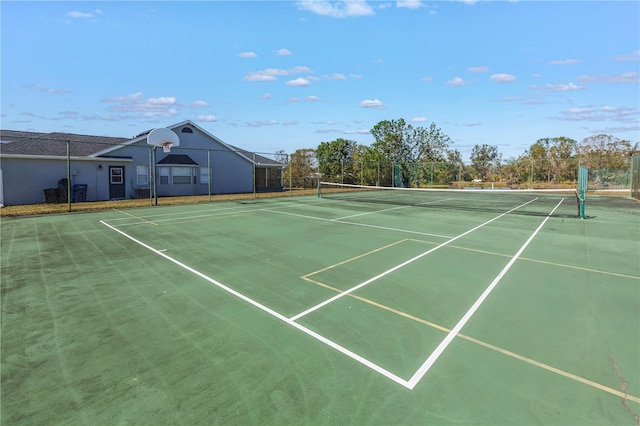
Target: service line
402, 265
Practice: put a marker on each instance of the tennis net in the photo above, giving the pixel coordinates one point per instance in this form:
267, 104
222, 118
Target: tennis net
526, 202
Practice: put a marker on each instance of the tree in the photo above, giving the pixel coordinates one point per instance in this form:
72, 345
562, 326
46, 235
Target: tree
538, 155
454, 166
562, 167
605, 151
607, 157
484, 158
336, 160
303, 168
401, 143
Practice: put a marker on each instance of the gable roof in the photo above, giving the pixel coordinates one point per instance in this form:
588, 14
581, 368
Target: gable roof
15, 142
178, 159
54, 144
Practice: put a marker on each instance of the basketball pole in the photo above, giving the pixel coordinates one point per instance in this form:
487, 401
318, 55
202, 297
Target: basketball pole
155, 180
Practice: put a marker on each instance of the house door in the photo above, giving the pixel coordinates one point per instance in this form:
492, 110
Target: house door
116, 182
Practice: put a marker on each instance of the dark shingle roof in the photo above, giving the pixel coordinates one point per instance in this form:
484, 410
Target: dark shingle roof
178, 159
55, 144
260, 159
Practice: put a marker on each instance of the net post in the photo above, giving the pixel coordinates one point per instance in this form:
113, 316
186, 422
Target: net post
583, 179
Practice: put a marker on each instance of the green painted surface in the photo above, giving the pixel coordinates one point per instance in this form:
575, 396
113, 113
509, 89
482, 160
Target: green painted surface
97, 329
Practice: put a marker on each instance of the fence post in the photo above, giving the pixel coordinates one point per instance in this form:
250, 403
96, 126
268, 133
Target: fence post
69, 176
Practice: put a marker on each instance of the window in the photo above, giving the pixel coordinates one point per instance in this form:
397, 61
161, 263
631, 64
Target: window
204, 175
181, 175
142, 175
186, 130
116, 175
164, 175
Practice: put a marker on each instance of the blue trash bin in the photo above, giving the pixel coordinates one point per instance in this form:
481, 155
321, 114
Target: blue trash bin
80, 193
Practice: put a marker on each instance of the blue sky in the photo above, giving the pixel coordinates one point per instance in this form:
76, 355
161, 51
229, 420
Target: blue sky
272, 75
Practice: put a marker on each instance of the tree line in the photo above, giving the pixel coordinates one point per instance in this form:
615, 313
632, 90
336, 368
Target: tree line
414, 156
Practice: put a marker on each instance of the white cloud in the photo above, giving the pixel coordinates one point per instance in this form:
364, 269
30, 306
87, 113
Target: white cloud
479, 69
629, 77
635, 56
600, 113
457, 81
283, 52
335, 76
42, 88
312, 98
265, 96
199, 104
355, 76
300, 81
208, 118
262, 123
248, 54
339, 9
409, 4
270, 74
293, 100
558, 87
163, 106
369, 103
83, 15
357, 132
564, 62
426, 79
419, 120
502, 78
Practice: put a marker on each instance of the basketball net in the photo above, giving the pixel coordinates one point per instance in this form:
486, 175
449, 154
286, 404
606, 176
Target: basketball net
166, 146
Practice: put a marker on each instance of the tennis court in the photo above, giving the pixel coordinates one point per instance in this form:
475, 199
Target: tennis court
308, 310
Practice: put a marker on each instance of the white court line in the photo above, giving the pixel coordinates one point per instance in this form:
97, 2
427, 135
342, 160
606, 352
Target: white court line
358, 224
419, 374
395, 268
270, 311
386, 210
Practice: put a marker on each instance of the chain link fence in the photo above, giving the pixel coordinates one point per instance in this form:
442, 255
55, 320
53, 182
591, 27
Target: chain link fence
79, 174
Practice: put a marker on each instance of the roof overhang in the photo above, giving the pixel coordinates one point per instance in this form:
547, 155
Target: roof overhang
64, 158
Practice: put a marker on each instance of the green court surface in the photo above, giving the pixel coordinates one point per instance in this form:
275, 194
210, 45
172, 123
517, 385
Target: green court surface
307, 310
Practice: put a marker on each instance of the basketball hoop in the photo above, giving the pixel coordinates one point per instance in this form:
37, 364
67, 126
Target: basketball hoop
166, 146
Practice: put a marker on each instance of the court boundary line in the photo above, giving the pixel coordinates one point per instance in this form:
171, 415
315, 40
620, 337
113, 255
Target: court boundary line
405, 263
528, 259
487, 345
384, 372
417, 377
426, 366
406, 231
389, 209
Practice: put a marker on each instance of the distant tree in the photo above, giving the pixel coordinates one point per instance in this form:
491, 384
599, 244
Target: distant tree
303, 168
605, 151
281, 157
484, 158
561, 153
455, 166
607, 157
401, 143
336, 160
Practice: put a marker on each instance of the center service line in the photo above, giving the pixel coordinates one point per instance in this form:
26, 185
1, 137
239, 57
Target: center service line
455, 330
395, 268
